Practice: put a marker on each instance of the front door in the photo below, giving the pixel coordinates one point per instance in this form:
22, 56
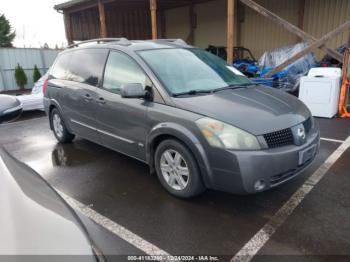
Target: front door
122, 122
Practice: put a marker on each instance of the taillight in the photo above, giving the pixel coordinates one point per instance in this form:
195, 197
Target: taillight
45, 85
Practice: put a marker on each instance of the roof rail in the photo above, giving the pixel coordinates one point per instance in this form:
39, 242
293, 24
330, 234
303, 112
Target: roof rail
178, 41
101, 40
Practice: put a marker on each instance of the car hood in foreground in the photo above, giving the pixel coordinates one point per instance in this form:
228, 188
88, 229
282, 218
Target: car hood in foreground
8, 102
34, 219
256, 109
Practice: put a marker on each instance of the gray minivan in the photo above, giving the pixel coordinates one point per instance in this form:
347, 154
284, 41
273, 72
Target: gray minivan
192, 118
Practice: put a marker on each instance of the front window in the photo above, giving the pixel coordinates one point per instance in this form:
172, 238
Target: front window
121, 70
186, 70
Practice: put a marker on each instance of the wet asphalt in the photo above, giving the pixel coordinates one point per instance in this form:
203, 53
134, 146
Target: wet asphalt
214, 223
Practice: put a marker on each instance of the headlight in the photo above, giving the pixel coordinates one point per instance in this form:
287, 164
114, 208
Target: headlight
219, 134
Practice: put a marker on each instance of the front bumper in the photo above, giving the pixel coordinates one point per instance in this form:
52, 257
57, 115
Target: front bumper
238, 171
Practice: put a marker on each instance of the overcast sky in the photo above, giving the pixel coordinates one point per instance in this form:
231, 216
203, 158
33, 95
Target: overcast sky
35, 22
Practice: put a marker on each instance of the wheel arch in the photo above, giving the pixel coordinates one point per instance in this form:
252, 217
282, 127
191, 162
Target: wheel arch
54, 104
177, 132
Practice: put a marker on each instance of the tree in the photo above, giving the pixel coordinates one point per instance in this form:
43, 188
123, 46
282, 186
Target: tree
36, 74
20, 75
6, 36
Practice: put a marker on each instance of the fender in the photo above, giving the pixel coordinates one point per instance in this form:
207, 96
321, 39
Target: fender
53, 102
188, 138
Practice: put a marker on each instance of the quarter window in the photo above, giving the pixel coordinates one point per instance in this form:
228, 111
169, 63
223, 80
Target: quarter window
59, 69
86, 66
121, 70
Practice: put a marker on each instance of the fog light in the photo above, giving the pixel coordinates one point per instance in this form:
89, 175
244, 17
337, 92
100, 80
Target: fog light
259, 185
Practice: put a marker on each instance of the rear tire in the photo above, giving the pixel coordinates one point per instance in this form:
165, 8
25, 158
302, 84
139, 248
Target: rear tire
177, 169
59, 128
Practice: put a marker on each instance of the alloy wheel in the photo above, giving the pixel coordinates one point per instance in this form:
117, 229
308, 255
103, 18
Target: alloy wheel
174, 169
57, 125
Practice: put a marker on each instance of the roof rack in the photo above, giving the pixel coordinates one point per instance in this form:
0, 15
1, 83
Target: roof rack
121, 40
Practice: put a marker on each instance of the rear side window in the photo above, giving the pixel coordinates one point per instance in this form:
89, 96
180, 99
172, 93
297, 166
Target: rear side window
121, 70
59, 69
86, 66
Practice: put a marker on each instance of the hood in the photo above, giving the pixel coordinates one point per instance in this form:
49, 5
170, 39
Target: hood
34, 219
256, 109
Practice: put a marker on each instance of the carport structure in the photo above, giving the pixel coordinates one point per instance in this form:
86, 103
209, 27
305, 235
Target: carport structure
136, 19
144, 19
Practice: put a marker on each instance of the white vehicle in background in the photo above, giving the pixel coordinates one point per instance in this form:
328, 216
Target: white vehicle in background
34, 101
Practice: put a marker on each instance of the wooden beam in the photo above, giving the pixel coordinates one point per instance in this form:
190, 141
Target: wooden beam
230, 28
312, 46
301, 14
240, 19
68, 27
193, 25
153, 5
290, 27
101, 12
163, 24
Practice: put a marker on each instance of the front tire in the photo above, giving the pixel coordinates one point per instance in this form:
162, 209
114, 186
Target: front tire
177, 169
59, 128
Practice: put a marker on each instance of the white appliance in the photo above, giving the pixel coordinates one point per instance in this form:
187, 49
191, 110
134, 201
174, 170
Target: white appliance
320, 90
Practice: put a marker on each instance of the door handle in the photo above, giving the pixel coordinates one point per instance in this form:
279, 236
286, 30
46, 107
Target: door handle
87, 97
101, 100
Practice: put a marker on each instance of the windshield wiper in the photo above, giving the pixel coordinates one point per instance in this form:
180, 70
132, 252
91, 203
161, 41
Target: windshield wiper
193, 92
200, 91
235, 86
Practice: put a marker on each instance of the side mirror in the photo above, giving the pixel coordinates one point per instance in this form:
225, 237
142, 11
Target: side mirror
10, 108
134, 91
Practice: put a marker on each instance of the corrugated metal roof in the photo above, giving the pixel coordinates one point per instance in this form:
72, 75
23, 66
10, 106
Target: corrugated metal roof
163, 4
69, 4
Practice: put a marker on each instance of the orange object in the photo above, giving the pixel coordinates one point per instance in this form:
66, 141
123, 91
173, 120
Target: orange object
343, 112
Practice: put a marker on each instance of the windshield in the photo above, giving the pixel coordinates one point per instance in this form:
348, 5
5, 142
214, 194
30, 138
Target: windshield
185, 70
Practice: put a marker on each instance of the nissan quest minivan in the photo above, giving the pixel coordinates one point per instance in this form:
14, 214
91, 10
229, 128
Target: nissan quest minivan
197, 122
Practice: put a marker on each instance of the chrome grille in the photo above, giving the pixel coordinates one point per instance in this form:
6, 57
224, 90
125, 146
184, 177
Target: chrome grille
285, 137
279, 138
